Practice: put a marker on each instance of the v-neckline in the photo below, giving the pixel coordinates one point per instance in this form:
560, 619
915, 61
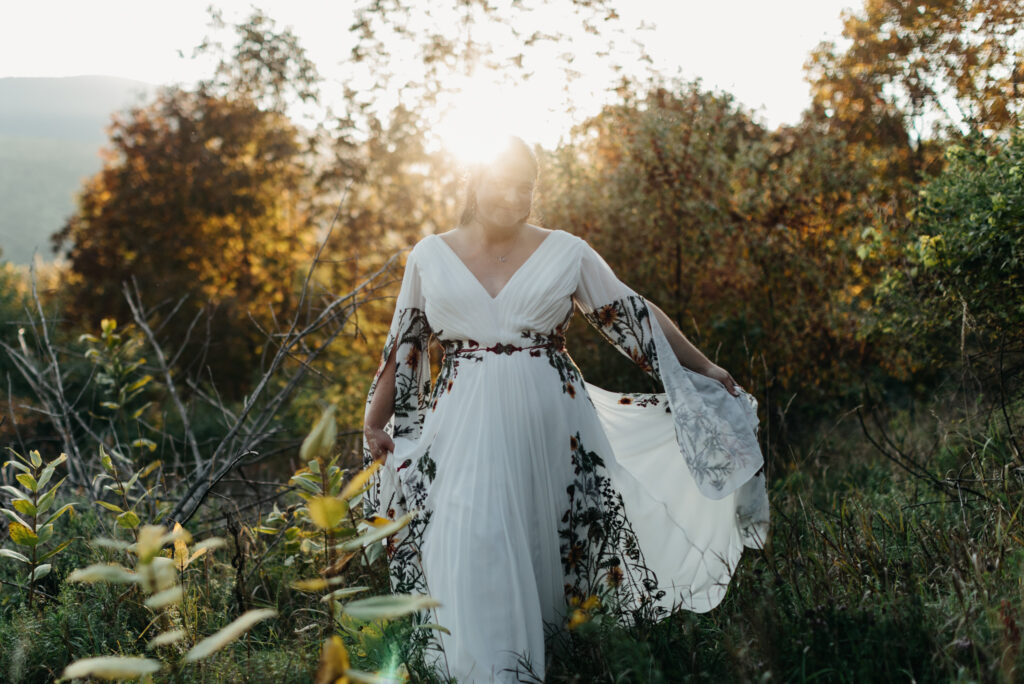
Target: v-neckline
512, 277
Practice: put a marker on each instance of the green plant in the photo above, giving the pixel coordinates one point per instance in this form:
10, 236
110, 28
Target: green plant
131, 493
35, 529
157, 574
959, 289
116, 358
325, 517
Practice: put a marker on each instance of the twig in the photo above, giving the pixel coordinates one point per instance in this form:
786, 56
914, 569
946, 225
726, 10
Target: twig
135, 305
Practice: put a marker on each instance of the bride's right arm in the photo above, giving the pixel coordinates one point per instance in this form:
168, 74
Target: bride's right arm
379, 410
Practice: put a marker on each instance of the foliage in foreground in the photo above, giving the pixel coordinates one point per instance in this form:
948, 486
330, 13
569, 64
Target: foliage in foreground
871, 573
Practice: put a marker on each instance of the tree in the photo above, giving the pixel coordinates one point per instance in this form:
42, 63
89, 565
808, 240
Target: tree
204, 194
746, 238
909, 63
959, 286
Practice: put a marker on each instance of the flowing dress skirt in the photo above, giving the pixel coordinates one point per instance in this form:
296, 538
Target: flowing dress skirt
540, 492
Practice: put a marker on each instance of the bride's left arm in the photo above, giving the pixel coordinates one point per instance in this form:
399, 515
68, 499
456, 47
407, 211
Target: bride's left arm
689, 355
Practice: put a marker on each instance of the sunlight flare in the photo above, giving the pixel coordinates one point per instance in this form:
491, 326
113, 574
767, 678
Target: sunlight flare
486, 109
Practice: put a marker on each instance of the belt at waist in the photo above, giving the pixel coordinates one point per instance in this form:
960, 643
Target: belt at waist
539, 340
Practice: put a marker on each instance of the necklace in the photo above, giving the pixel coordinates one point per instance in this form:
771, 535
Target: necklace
504, 257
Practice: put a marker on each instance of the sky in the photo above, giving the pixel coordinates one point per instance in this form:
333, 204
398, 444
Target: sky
751, 48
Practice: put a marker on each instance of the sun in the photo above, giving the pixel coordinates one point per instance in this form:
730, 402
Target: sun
484, 110
480, 115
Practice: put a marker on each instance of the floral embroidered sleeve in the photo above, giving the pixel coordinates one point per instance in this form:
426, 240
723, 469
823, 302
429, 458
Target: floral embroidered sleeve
716, 432
409, 336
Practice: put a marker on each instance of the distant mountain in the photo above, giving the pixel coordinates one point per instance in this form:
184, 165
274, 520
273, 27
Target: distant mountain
51, 131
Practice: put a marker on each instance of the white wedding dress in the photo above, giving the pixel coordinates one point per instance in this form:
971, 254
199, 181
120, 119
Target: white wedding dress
535, 487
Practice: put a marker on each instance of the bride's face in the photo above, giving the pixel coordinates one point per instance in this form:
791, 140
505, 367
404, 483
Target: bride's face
504, 194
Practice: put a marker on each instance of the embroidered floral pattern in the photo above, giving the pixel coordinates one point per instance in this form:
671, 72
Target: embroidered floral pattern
409, 337
600, 552
716, 453
626, 323
568, 372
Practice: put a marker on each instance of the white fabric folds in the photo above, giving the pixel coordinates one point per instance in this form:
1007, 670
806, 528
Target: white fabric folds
537, 491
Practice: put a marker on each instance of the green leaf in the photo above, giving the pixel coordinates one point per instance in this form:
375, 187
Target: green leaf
344, 592
128, 520
232, 632
111, 507
66, 508
113, 544
210, 543
41, 571
13, 491
46, 502
113, 406
45, 533
21, 534
27, 481
377, 533
24, 506
20, 466
389, 607
57, 549
36, 459
13, 517
51, 494
107, 464
50, 468
307, 482
15, 555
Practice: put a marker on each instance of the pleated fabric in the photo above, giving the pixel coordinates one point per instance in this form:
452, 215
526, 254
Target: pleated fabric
535, 490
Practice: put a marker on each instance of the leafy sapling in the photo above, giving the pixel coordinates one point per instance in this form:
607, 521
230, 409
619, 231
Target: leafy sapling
31, 524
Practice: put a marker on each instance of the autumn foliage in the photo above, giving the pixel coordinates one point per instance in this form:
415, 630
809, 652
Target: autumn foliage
230, 272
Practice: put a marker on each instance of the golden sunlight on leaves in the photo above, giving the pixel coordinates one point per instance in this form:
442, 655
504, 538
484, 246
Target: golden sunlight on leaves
357, 482
577, 619
327, 512
317, 584
378, 521
333, 662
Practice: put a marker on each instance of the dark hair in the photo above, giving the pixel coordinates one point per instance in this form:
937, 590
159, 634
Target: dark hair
515, 148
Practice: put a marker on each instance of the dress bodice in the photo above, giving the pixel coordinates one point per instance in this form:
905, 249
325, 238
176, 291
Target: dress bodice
537, 299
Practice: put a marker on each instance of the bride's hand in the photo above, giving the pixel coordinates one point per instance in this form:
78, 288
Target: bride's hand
379, 442
716, 372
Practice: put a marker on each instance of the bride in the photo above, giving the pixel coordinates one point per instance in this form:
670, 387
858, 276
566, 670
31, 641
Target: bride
537, 492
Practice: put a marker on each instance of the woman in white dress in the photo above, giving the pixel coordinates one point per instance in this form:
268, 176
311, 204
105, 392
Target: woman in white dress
535, 489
